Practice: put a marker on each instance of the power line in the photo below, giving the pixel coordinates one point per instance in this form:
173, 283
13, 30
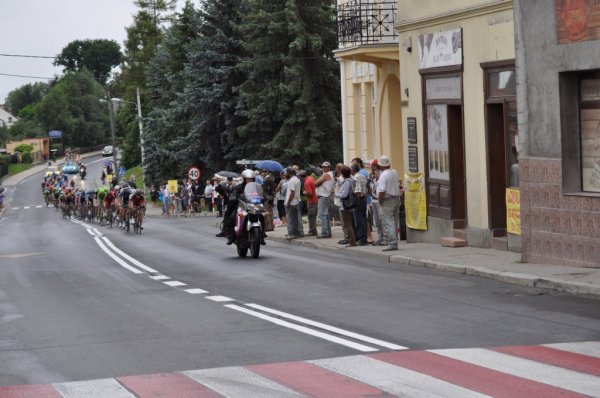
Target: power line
26, 56
28, 77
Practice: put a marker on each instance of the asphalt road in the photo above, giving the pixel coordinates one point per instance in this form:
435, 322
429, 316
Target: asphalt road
69, 311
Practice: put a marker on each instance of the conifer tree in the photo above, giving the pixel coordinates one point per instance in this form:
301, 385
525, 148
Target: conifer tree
211, 75
291, 96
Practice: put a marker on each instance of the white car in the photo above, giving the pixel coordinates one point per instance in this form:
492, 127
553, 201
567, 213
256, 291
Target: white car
107, 151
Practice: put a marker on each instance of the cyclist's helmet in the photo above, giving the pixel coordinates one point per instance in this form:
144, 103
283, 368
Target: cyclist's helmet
117, 187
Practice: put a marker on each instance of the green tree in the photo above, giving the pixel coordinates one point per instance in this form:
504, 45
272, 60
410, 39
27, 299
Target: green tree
143, 39
169, 121
209, 98
98, 56
26, 128
72, 107
26, 95
291, 95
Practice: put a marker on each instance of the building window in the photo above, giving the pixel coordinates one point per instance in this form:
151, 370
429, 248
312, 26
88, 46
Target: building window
580, 131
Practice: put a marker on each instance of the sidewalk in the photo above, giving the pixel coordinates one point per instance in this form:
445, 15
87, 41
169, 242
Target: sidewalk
487, 263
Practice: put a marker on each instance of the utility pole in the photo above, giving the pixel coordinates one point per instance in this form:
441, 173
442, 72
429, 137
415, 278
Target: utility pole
112, 131
139, 111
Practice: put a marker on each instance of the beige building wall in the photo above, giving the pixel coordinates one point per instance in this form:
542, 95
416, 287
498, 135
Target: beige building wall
488, 35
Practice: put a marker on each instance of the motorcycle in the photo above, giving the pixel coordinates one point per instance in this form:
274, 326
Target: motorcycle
82, 172
250, 221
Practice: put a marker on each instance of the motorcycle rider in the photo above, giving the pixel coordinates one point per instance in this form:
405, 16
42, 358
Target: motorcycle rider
82, 171
237, 193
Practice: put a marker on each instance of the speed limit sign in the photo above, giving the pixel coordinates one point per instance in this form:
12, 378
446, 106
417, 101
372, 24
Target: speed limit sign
194, 173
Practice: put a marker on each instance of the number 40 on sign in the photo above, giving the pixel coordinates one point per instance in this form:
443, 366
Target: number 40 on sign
194, 173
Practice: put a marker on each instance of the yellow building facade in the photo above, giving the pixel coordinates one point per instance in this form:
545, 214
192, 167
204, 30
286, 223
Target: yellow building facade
458, 95
432, 84
370, 80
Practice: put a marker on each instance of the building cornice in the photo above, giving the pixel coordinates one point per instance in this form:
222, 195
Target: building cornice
372, 53
454, 15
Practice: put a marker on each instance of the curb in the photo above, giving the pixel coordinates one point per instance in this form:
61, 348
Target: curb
525, 280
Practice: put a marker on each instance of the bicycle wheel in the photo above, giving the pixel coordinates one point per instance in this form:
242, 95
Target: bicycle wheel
127, 221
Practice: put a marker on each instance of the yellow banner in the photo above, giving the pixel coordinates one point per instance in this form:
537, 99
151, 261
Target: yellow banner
109, 177
415, 201
513, 211
172, 186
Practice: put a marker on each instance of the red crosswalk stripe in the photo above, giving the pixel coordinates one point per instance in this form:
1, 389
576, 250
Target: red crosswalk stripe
29, 391
170, 385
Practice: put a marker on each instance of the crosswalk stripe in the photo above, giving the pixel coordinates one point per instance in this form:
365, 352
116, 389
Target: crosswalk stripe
93, 388
589, 348
394, 379
551, 356
531, 370
315, 381
238, 382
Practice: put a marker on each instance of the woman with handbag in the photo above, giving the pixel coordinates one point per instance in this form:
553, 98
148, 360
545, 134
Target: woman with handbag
349, 203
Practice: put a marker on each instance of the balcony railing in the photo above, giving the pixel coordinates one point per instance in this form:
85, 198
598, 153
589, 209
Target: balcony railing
366, 22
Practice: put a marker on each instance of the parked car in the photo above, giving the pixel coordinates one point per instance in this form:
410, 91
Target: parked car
70, 168
107, 151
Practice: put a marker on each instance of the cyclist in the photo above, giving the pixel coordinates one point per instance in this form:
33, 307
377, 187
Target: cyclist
138, 201
124, 200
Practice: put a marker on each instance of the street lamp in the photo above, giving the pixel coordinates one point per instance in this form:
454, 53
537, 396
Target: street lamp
112, 129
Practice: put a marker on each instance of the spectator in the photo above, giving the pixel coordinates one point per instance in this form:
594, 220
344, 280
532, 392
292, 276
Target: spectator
360, 213
208, 194
389, 201
153, 195
165, 195
312, 202
292, 199
375, 209
338, 202
269, 187
281, 192
324, 189
346, 195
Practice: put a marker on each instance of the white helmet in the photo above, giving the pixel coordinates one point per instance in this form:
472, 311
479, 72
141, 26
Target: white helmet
247, 174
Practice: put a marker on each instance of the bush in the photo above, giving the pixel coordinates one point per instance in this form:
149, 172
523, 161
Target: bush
27, 158
24, 148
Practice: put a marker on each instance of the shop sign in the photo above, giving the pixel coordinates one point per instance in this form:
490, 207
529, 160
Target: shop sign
415, 201
411, 123
574, 22
443, 88
590, 90
440, 49
513, 211
413, 158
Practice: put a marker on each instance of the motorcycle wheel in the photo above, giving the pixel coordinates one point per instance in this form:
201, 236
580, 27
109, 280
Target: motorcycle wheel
242, 252
255, 242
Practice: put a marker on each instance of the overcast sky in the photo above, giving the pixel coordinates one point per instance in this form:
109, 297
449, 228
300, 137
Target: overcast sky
45, 27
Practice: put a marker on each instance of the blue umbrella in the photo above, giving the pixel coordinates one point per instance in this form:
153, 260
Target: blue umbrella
269, 165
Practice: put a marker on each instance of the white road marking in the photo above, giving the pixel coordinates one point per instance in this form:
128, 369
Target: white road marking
303, 329
128, 257
527, 369
393, 379
15, 208
38, 207
196, 291
333, 329
97, 232
26, 207
589, 348
93, 388
237, 382
175, 283
160, 277
114, 257
89, 231
219, 299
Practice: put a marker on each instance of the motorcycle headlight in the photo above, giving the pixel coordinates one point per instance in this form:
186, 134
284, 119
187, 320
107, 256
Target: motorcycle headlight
254, 207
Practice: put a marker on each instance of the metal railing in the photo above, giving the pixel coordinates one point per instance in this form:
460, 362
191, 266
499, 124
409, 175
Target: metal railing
362, 22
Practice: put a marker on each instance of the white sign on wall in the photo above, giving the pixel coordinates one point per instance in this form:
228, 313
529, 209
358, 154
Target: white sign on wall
440, 49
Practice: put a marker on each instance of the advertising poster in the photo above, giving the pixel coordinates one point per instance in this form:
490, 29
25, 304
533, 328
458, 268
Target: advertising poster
437, 142
513, 211
590, 149
577, 21
172, 186
440, 49
415, 201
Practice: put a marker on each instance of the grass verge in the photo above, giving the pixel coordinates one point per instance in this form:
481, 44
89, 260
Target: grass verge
14, 168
